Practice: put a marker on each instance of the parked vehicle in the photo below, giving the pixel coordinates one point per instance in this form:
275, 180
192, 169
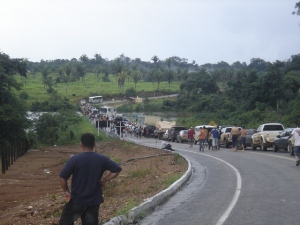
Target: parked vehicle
282, 141
248, 138
265, 135
173, 132
162, 127
151, 129
182, 136
197, 131
225, 138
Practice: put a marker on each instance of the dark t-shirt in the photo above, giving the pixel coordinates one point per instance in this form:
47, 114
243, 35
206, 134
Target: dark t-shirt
87, 169
215, 133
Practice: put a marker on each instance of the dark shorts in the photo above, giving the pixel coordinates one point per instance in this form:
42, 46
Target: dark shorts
71, 212
243, 140
297, 150
234, 140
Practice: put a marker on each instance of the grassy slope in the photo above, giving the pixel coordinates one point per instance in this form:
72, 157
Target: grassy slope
77, 90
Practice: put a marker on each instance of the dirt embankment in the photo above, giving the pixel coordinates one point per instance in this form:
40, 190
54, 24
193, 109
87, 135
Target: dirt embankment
30, 192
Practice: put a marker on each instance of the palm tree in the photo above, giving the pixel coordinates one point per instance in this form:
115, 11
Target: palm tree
169, 62
136, 76
158, 76
80, 71
98, 70
121, 79
169, 75
155, 59
117, 67
45, 73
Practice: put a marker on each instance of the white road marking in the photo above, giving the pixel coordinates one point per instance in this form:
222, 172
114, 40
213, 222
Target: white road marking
235, 198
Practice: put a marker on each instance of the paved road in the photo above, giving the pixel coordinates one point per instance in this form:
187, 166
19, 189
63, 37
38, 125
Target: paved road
156, 97
251, 187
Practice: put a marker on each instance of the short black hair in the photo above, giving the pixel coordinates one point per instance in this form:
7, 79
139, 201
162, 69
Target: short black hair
88, 140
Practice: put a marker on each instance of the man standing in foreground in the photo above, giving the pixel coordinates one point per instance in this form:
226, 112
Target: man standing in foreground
296, 134
85, 196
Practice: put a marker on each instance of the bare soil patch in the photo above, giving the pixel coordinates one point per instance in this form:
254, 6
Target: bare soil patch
30, 192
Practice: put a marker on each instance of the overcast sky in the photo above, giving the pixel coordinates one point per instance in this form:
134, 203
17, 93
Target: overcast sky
207, 31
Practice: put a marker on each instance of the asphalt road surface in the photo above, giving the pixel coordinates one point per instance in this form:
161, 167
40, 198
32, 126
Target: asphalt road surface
232, 188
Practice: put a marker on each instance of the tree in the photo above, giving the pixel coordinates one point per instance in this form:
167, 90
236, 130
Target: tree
12, 110
136, 76
98, 58
155, 59
98, 71
68, 70
80, 71
169, 62
45, 73
297, 7
121, 79
117, 67
84, 58
157, 76
182, 74
169, 75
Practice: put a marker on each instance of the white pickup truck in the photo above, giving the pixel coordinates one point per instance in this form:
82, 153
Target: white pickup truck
265, 135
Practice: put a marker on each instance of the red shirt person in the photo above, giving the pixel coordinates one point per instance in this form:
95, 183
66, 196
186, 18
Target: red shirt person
191, 134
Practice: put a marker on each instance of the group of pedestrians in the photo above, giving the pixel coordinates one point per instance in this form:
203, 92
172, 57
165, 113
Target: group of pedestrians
236, 135
211, 139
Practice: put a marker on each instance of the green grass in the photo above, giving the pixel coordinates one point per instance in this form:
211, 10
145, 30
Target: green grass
172, 179
77, 90
127, 206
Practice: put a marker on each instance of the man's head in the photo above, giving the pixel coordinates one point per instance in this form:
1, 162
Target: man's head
298, 124
88, 140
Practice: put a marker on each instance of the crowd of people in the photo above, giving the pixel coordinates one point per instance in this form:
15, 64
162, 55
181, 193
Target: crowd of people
211, 139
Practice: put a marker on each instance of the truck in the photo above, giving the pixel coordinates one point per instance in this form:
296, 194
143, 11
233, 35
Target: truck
162, 127
265, 134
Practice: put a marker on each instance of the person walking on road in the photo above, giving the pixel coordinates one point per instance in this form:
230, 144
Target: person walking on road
85, 196
207, 136
202, 138
191, 133
296, 134
214, 135
234, 137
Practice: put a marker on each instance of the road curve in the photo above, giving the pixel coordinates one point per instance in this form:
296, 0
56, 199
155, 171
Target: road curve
251, 187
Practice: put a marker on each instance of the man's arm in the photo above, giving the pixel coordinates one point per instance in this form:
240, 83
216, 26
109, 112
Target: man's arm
64, 184
108, 177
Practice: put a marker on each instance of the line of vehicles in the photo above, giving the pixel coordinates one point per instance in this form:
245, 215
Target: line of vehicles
268, 135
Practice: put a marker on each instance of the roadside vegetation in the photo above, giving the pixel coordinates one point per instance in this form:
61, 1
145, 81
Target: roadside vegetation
207, 94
